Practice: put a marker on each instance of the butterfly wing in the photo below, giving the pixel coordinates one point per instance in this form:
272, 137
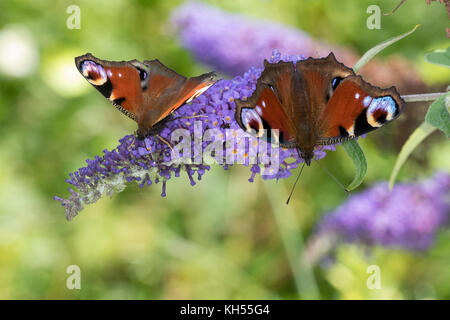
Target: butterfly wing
270, 105
319, 102
146, 92
167, 91
121, 83
355, 108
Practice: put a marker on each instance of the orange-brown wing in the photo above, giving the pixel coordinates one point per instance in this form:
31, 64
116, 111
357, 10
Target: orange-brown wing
146, 92
120, 82
271, 105
167, 91
263, 112
355, 108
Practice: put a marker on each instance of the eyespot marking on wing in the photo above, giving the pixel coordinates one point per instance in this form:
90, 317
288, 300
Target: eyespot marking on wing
93, 72
381, 110
143, 75
252, 122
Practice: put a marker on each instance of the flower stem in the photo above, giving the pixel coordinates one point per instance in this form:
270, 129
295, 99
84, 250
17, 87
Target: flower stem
291, 236
422, 97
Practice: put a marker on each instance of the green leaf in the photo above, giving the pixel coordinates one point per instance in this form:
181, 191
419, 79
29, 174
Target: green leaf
423, 131
375, 50
355, 152
440, 57
438, 114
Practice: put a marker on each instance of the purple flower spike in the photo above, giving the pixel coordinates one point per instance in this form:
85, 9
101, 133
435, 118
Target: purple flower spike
233, 43
151, 160
406, 217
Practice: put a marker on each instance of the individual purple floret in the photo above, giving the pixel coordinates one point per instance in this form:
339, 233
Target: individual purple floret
406, 217
151, 161
232, 43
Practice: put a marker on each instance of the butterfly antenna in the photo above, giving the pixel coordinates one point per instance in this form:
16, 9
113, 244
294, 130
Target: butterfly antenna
295, 183
333, 177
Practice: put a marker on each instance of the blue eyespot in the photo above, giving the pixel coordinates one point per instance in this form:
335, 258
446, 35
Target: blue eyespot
271, 87
142, 74
335, 82
93, 72
386, 104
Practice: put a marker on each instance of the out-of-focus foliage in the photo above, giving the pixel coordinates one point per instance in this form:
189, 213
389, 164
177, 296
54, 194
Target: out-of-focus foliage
220, 238
440, 57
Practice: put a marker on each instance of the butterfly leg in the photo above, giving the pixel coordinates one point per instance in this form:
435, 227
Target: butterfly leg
134, 139
165, 142
187, 117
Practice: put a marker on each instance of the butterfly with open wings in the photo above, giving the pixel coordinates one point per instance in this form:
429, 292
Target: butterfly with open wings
147, 92
315, 102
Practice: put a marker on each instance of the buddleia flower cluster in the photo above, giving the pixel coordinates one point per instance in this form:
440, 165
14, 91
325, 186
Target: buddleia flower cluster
407, 217
233, 43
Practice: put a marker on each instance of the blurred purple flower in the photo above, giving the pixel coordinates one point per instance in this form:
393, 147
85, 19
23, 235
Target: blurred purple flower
406, 217
148, 161
233, 43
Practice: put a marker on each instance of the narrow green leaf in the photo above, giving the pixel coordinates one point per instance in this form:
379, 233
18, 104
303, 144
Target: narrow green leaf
355, 152
440, 57
374, 51
423, 131
438, 115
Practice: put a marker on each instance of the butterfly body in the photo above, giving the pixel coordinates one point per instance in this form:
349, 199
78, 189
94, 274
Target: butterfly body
147, 92
315, 102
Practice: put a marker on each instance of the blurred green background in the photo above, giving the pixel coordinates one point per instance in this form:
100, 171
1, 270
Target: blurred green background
223, 237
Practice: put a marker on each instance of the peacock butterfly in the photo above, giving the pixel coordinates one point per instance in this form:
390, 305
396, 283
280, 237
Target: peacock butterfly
315, 102
146, 92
